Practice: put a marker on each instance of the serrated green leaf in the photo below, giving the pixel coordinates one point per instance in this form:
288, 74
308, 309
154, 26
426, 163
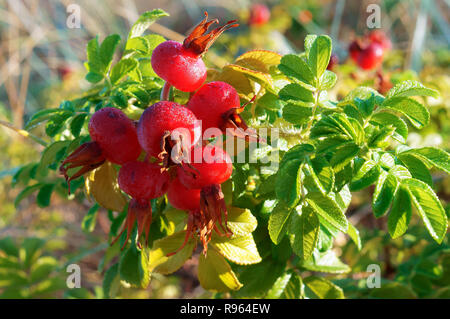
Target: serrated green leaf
411, 88
214, 273
416, 113
392, 290
42, 268
366, 176
429, 207
416, 167
240, 250
241, 221
138, 45
434, 156
77, 124
107, 49
278, 222
160, 263
294, 91
327, 80
304, 232
144, 21
111, 281
384, 193
400, 214
288, 286
328, 209
354, 235
319, 55
26, 192
387, 119
326, 262
44, 194
9, 247
297, 114
294, 66
323, 288
122, 68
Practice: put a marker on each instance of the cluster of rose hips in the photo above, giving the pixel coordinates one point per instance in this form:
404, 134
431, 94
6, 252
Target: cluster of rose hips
368, 51
163, 153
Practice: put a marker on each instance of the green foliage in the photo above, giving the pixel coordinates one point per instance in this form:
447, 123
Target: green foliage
285, 222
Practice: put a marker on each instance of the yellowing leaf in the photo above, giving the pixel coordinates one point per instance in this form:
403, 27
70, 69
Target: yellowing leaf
259, 60
237, 80
176, 219
214, 273
102, 185
160, 263
241, 221
240, 250
262, 78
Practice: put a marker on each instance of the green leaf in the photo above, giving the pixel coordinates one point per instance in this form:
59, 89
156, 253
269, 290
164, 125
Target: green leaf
107, 49
416, 113
241, 221
327, 80
326, 262
44, 194
328, 209
26, 192
411, 88
354, 235
133, 267
77, 124
9, 247
94, 77
278, 222
30, 250
297, 114
160, 263
288, 286
42, 268
366, 176
322, 288
111, 281
343, 155
122, 68
400, 214
294, 66
56, 122
304, 232
384, 193
416, 167
392, 290
240, 250
89, 220
138, 45
434, 156
388, 119
429, 207
144, 21
319, 55
294, 91
42, 116
214, 273
288, 180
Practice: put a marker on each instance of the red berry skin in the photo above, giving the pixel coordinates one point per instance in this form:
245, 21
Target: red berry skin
213, 167
259, 14
116, 135
371, 56
183, 198
162, 117
211, 101
354, 49
381, 38
143, 181
334, 60
179, 67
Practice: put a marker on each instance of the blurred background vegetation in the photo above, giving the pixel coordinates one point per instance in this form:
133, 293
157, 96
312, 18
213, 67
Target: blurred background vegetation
41, 63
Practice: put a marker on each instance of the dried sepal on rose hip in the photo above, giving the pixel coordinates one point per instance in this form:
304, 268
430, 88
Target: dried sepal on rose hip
181, 65
143, 182
209, 167
165, 125
114, 138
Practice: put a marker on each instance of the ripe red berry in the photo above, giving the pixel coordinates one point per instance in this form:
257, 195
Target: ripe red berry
381, 38
371, 56
181, 65
222, 96
259, 14
143, 181
116, 135
183, 198
354, 49
159, 121
209, 165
